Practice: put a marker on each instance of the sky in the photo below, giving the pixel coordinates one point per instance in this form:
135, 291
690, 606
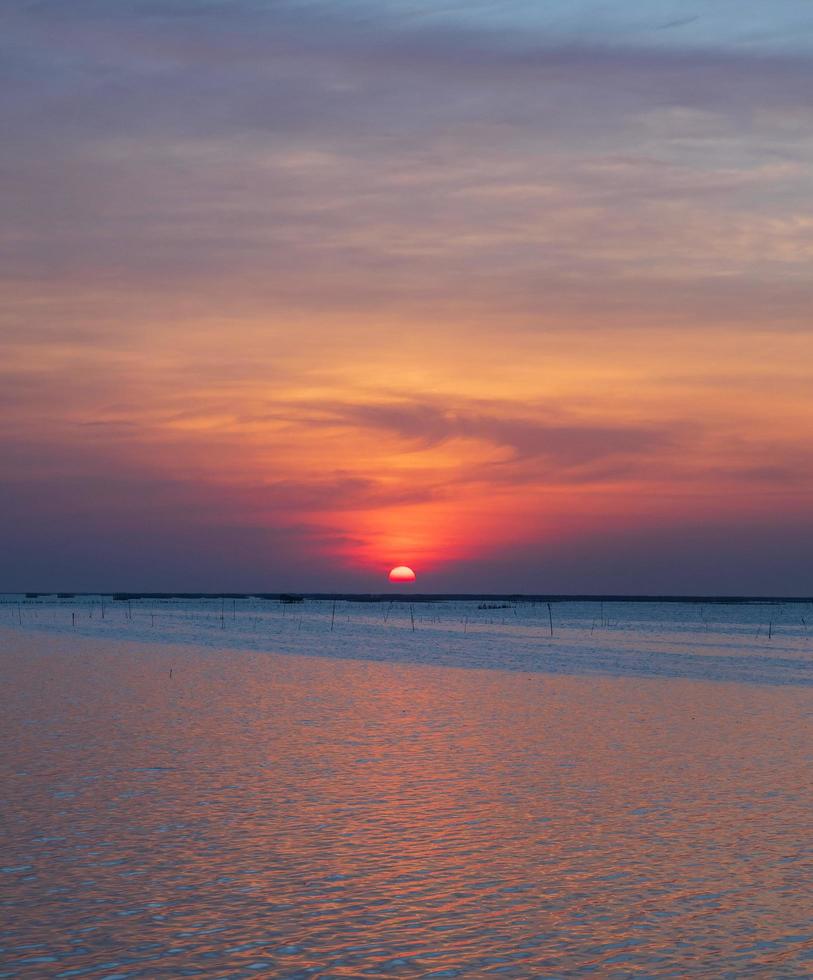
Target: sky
516, 293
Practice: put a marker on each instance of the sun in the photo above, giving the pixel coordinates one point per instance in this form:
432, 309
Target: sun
401, 573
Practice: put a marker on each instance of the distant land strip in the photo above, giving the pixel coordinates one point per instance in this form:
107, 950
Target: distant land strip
411, 597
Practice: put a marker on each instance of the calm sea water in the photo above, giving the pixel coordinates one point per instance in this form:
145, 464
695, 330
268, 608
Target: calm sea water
256, 814
755, 642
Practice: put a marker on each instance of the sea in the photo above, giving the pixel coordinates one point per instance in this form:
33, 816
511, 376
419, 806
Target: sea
238, 786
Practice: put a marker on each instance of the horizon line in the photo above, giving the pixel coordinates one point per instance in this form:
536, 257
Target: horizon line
416, 597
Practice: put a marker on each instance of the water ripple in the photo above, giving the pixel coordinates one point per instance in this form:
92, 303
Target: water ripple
287, 816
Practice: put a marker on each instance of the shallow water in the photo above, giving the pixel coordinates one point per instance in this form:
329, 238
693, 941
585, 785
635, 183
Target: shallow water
288, 816
761, 643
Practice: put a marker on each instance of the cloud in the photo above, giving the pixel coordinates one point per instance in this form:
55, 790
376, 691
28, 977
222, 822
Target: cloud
333, 270
679, 22
686, 557
319, 71
565, 445
309, 156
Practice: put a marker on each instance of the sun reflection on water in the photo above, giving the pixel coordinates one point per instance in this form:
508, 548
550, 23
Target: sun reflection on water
300, 817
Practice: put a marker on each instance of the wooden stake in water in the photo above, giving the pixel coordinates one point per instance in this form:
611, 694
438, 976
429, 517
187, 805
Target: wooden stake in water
550, 618
333, 616
412, 614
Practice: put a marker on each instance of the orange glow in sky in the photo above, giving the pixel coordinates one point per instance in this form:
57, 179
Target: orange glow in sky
536, 327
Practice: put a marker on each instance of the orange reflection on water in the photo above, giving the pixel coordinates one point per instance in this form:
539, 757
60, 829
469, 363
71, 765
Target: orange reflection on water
289, 814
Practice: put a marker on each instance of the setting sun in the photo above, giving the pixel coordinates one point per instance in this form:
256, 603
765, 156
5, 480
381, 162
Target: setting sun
401, 573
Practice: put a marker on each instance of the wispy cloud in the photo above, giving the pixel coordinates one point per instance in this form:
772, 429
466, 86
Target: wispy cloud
372, 277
